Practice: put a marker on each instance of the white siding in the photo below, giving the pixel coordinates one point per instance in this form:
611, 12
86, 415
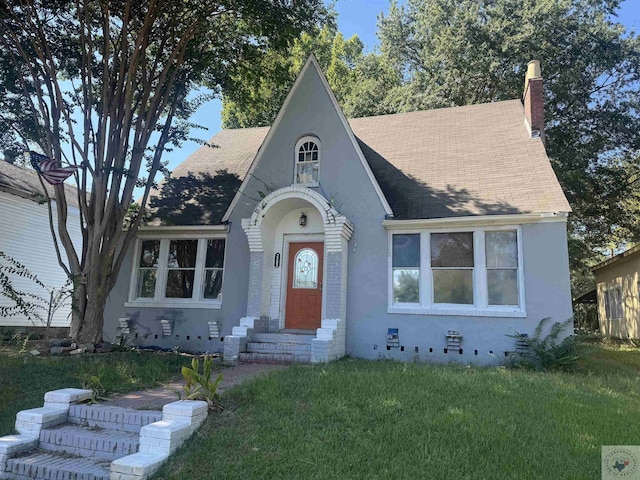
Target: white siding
25, 236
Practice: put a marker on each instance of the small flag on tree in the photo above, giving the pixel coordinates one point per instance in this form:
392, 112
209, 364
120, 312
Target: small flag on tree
49, 170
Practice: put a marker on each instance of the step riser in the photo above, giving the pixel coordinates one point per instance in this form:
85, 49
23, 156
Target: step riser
273, 358
89, 453
112, 418
83, 444
50, 467
278, 348
282, 338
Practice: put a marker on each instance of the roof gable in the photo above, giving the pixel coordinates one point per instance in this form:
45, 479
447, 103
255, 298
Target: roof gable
310, 65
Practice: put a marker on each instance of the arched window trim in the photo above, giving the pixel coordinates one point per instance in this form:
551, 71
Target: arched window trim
298, 164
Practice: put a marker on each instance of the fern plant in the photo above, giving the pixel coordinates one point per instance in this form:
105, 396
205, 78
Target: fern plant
546, 352
198, 386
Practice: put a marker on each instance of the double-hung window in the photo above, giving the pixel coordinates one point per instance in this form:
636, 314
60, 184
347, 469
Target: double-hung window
474, 271
178, 271
406, 268
452, 266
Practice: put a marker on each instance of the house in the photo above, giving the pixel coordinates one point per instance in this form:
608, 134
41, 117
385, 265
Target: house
26, 237
429, 235
618, 294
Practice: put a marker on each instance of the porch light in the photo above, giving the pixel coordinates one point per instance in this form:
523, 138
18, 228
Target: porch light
303, 219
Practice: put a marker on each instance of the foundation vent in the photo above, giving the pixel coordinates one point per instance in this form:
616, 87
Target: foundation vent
167, 328
214, 330
522, 344
453, 340
123, 326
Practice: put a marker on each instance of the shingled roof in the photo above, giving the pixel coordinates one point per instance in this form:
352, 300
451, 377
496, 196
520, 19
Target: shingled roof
24, 182
460, 161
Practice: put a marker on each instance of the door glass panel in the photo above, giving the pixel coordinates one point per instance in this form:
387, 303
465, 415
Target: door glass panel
305, 269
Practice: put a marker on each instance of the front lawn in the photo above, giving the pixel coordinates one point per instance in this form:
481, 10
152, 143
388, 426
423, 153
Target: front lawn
378, 420
24, 381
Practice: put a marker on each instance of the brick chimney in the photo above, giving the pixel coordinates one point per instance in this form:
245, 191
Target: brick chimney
534, 100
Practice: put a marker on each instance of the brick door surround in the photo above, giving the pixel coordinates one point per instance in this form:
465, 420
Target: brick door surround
330, 342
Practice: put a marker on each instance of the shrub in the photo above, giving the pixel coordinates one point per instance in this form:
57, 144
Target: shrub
198, 386
546, 352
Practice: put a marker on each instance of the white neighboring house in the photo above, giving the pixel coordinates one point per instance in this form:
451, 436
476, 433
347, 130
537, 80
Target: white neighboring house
26, 237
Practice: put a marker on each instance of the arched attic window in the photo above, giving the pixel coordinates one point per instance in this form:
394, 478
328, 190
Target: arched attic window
307, 161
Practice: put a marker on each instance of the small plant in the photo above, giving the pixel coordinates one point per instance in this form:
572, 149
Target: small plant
546, 353
93, 383
21, 341
198, 386
122, 344
39, 309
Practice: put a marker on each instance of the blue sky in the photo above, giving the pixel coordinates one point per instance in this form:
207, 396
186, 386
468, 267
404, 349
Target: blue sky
354, 17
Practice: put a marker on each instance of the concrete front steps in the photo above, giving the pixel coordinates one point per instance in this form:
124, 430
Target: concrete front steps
278, 348
65, 440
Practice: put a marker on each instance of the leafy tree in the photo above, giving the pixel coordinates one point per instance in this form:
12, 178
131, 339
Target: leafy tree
458, 52
103, 85
357, 80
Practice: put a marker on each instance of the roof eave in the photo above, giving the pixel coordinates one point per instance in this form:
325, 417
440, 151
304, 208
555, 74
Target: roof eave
476, 220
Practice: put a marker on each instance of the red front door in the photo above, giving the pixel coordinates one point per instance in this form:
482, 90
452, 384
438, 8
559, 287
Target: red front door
304, 285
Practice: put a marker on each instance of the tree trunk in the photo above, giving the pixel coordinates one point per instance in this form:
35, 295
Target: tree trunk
89, 301
78, 307
91, 331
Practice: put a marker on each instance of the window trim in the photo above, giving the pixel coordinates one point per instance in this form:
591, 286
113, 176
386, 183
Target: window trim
306, 138
159, 300
607, 295
480, 307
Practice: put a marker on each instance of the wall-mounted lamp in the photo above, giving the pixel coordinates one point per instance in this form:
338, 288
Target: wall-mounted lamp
303, 219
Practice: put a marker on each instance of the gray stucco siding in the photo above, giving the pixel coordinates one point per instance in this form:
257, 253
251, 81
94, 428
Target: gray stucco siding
546, 278
187, 322
342, 177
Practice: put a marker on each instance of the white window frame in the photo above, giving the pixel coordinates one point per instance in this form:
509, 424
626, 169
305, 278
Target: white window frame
614, 307
481, 306
299, 143
159, 299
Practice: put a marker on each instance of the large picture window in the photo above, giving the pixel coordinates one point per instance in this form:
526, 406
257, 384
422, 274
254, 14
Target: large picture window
477, 271
179, 270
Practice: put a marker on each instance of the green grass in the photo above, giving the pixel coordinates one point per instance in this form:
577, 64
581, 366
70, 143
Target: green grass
24, 381
377, 420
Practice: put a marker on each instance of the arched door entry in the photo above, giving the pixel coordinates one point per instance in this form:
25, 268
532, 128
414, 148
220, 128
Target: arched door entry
304, 285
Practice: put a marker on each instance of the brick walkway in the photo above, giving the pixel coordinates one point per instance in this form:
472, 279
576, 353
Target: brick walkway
155, 398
